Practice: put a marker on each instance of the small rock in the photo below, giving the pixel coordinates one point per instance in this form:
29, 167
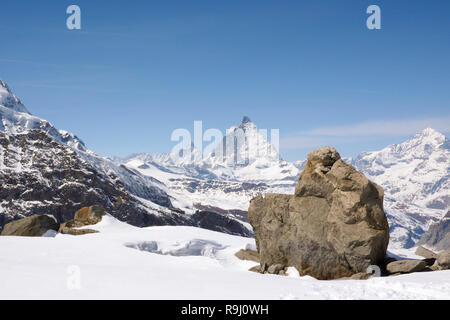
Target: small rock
256, 269
406, 266
358, 276
424, 252
251, 255
33, 226
275, 268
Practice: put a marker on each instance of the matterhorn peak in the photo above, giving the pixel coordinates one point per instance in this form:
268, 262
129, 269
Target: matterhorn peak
246, 120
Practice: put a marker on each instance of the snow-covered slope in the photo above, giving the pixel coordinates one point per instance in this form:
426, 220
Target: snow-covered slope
415, 176
125, 262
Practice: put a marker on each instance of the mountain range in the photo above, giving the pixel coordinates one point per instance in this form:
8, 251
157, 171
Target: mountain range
46, 170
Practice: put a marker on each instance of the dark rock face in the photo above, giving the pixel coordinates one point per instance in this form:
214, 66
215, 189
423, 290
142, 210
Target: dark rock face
34, 226
39, 175
217, 222
438, 235
334, 226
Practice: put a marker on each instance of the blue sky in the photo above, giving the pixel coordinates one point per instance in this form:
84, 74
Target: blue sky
140, 69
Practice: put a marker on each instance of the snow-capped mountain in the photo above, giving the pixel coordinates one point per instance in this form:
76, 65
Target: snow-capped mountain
415, 176
223, 179
15, 118
46, 170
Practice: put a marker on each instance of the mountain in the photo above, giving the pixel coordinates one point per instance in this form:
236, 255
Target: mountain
211, 190
219, 179
437, 236
49, 171
415, 176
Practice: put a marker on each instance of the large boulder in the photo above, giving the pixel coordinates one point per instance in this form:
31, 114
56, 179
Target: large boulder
33, 226
334, 226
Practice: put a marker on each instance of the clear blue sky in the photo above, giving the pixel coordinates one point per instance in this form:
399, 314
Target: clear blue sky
140, 69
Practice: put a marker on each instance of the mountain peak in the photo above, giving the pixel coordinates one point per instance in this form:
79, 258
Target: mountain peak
246, 120
427, 136
430, 132
9, 100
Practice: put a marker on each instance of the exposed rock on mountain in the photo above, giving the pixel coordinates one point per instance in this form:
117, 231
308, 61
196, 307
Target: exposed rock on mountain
438, 235
34, 226
48, 171
42, 176
415, 175
333, 226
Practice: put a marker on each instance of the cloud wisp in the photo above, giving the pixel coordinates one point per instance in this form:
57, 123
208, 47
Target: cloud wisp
362, 131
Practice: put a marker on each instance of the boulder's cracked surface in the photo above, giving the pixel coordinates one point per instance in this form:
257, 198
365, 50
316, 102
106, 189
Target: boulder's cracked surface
334, 225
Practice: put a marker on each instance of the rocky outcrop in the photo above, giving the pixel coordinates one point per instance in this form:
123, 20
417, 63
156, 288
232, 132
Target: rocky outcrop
438, 235
34, 226
333, 226
219, 222
83, 217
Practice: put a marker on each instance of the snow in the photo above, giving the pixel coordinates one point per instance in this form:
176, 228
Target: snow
125, 262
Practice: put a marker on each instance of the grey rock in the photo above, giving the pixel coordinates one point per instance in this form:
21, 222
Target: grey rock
424, 252
334, 225
406, 266
256, 269
275, 269
34, 226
